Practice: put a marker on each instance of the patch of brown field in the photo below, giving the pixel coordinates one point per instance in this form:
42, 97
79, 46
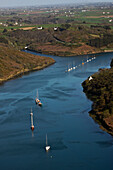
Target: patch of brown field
37, 12
53, 48
110, 16
84, 49
109, 121
27, 28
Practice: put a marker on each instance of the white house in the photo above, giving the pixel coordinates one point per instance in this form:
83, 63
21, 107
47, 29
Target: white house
110, 20
16, 23
39, 28
90, 78
55, 28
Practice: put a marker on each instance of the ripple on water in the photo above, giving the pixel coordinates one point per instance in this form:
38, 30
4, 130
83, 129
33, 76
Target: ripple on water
61, 93
58, 145
105, 144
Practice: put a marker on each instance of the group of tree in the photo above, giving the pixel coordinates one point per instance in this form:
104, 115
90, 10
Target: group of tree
100, 91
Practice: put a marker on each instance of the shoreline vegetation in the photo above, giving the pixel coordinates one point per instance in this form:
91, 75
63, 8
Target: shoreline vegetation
83, 50
14, 63
69, 54
99, 89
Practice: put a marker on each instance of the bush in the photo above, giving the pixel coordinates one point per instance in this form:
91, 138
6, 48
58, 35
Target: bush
106, 113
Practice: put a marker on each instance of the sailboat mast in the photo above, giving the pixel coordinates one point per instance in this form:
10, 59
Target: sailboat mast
32, 120
37, 93
32, 126
46, 139
47, 146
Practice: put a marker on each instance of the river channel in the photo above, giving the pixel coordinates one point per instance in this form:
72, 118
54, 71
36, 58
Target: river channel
76, 140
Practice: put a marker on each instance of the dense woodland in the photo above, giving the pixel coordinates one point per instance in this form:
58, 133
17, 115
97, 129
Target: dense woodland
100, 91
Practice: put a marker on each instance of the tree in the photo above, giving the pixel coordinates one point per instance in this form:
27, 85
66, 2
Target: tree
5, 30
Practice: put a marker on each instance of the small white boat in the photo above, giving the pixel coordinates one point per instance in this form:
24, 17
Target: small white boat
47, 146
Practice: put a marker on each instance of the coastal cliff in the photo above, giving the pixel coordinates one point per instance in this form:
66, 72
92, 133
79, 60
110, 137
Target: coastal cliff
99, 89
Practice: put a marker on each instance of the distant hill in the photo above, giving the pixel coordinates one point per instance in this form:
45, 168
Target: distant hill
66, 40
100, 91
14, 62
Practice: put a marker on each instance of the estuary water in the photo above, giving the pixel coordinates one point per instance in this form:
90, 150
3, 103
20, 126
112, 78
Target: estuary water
76, 140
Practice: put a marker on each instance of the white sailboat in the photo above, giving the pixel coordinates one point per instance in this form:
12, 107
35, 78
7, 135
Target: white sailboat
32, 126
37, 100
47, 146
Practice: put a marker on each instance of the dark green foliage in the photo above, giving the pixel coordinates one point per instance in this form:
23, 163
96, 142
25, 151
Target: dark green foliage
21, 37
106, 27
3, 40
100, 91
5, 30
100, 42
65, 26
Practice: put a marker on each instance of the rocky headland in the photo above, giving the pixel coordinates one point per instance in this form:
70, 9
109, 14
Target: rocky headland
99, 89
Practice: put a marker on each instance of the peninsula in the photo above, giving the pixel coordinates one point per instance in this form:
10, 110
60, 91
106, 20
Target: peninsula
99, 89
14, 63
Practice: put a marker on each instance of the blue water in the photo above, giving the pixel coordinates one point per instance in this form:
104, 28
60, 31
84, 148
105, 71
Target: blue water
77, 142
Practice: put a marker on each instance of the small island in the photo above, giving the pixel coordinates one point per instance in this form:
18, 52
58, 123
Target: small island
99, 89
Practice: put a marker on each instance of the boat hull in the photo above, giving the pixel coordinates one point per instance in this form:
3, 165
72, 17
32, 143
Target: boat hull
47, 148
37, 101
32, 128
